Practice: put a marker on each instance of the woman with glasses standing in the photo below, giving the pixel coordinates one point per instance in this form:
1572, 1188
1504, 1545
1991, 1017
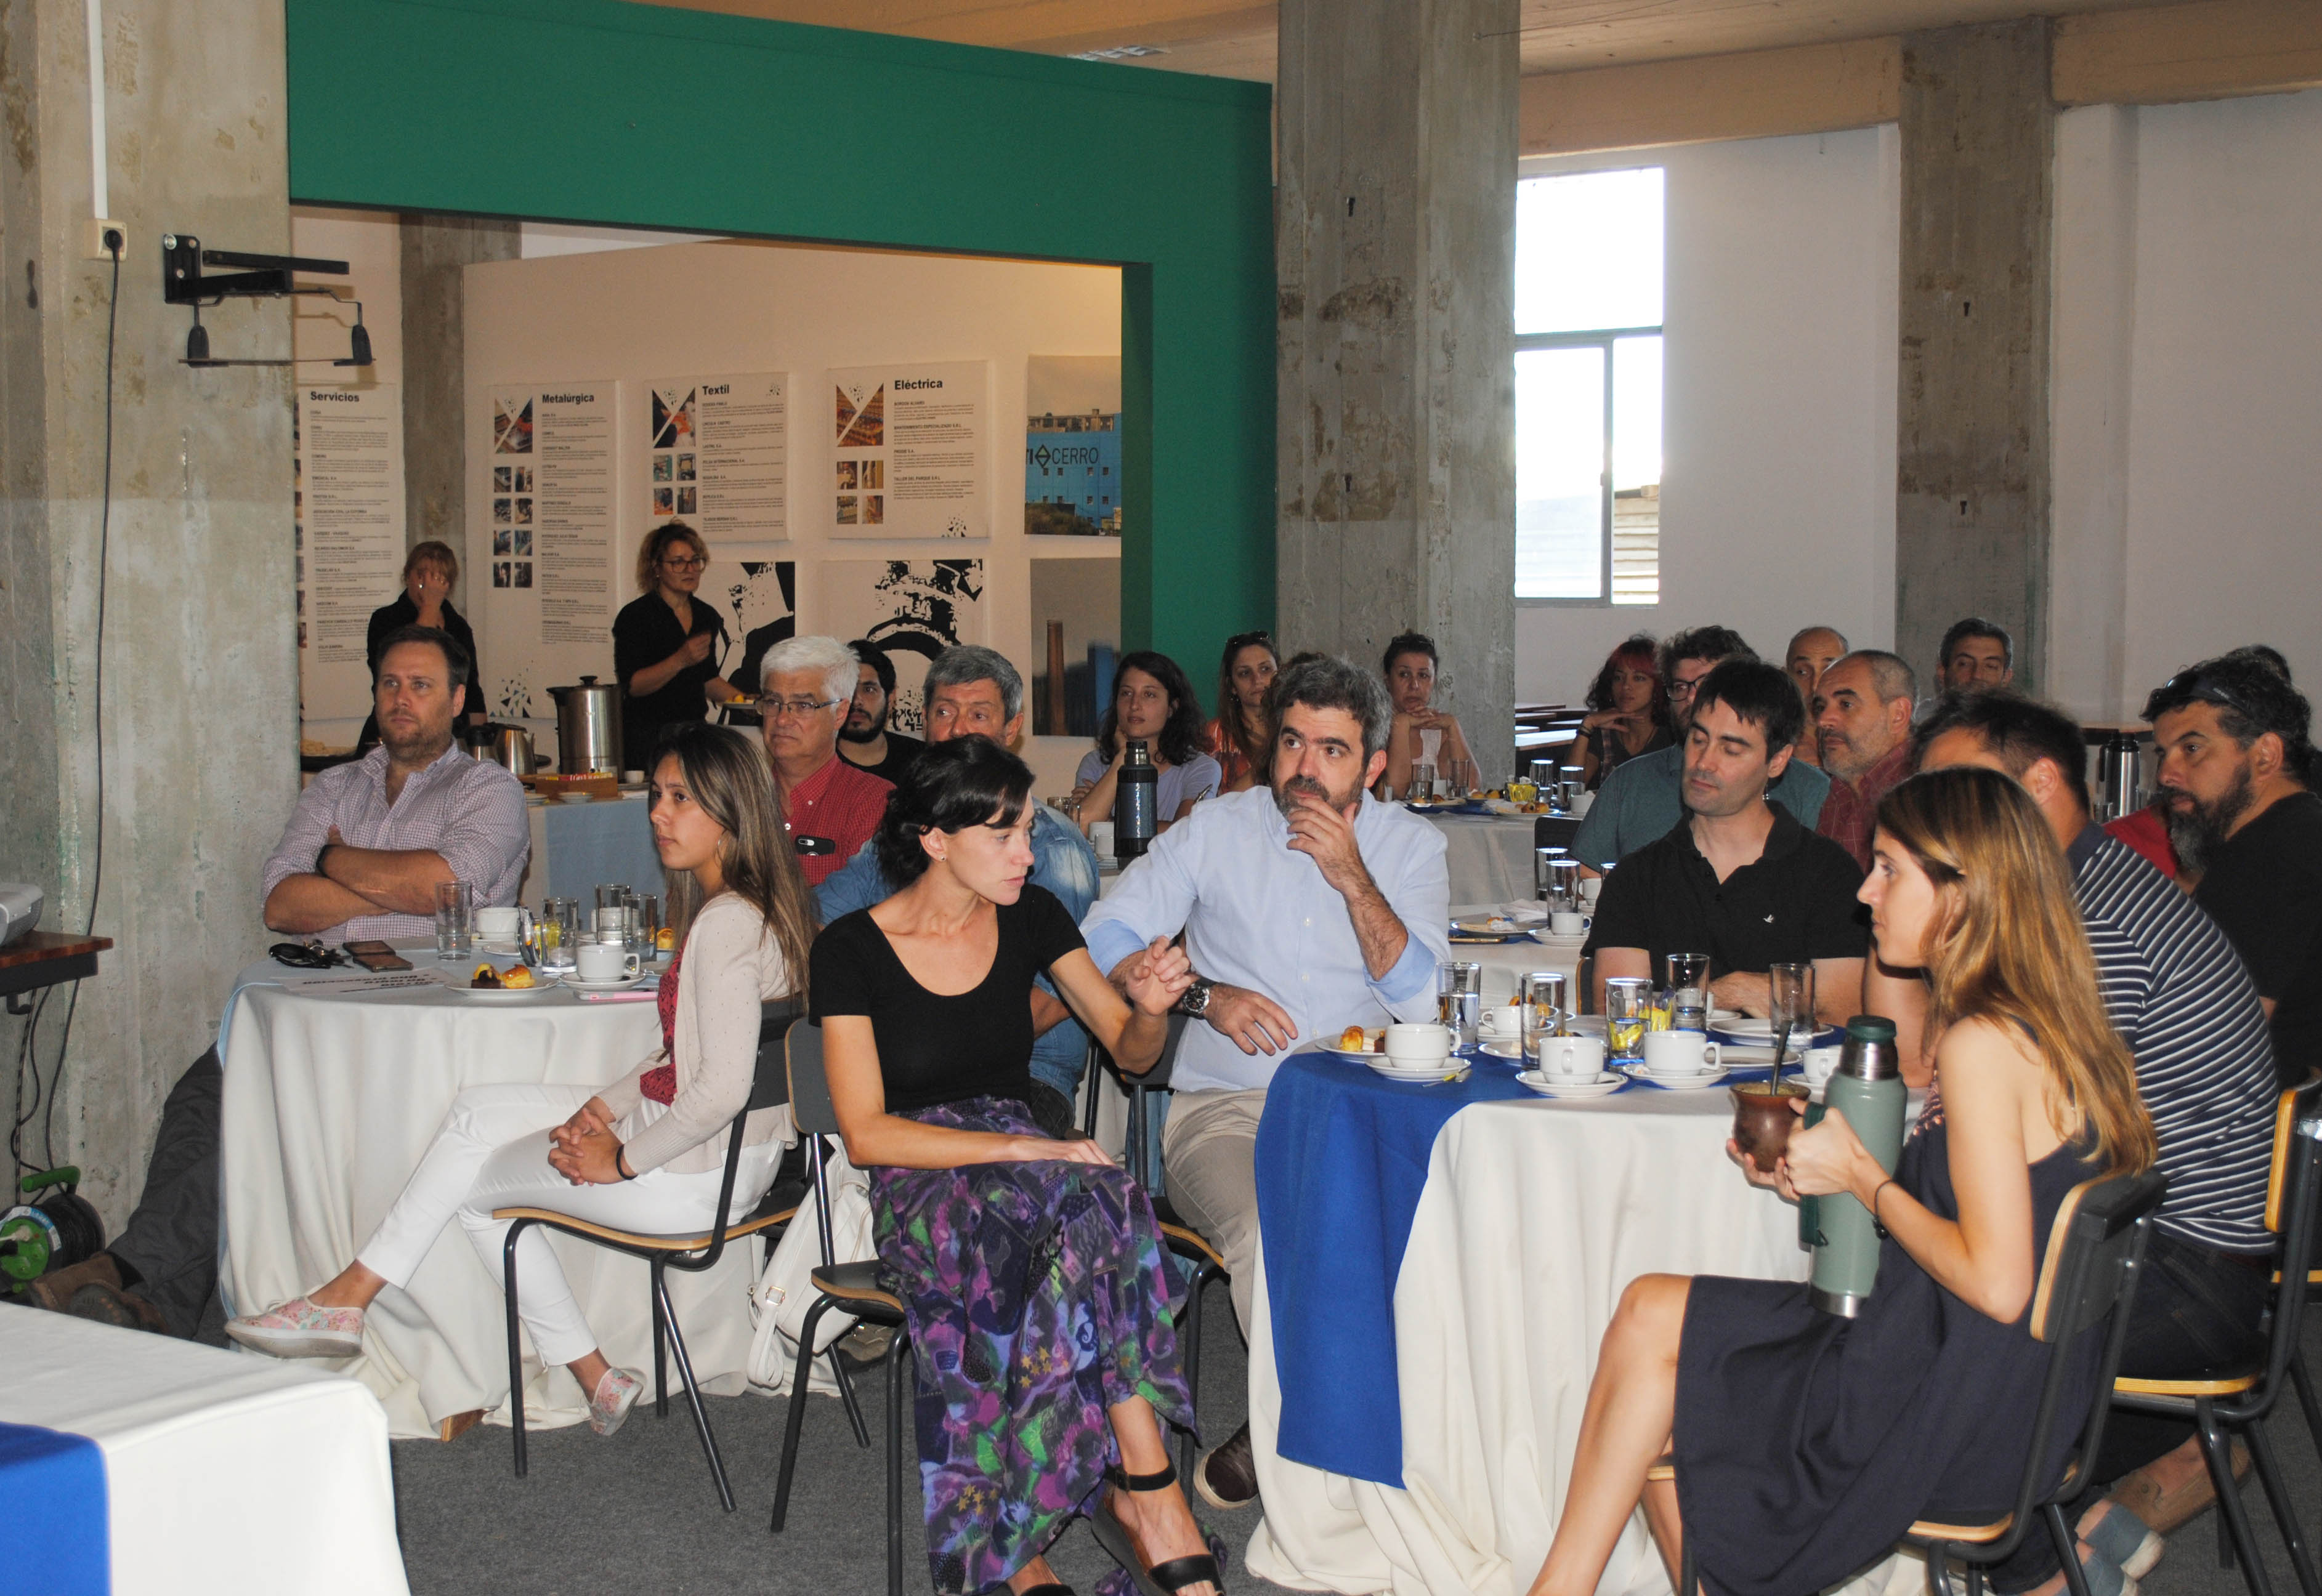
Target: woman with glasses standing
666, 643
1242, 736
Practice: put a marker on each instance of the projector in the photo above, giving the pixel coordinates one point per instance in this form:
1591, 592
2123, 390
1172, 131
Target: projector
19, 910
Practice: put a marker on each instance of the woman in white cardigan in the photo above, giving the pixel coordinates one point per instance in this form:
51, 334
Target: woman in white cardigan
646, 1153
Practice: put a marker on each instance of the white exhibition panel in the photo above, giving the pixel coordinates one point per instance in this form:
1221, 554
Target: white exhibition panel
225, 1472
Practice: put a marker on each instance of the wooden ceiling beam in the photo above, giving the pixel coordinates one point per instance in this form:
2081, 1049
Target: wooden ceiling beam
1760, 93
2212, 49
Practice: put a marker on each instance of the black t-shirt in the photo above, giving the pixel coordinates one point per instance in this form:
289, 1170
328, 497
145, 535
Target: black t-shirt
933, 1049
2264, 889
901, 751
1794, 905
644, 633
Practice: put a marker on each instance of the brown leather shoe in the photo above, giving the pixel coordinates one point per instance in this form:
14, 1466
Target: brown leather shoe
55, 1290
1226, 1477
101, 1302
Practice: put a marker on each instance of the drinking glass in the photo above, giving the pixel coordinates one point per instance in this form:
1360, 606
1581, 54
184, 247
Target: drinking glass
1688, 981
1543, 775
560, 932
1459, 1000
1791, 1003
649, 922
1544, 861
1628, 1010
608, 896
1462, 777
1422, 781
1563, 884
1540, 1000
455, 919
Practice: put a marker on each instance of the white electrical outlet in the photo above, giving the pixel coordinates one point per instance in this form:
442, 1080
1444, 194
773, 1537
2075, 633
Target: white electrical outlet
95, 241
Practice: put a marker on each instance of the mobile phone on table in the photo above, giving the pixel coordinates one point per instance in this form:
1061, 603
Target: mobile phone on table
377, 955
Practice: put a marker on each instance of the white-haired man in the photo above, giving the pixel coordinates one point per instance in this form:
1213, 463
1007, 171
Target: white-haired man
829, 807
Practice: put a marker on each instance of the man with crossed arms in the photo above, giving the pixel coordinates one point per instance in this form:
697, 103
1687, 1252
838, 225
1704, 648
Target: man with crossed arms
1307, 906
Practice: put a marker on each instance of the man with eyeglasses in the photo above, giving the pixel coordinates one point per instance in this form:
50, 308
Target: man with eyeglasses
829, 807
864, 740
1644, 800
2238, 772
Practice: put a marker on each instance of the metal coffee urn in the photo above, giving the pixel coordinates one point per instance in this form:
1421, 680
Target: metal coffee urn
1868, 1089
588, 728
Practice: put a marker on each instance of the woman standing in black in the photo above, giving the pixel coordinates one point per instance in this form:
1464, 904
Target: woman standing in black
430, 571
666, 644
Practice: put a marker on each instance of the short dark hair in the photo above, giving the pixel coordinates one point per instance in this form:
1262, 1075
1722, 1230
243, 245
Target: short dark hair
1322, 682
1763, 695
1181, 734
2252, 698
1704, 642
1409, 642
881, 667
1976, 626
1891, 676
2266, 654
2021, 731
454, 657
951, 785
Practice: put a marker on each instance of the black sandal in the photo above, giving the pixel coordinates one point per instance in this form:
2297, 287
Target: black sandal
1050, 1589
1163, 1579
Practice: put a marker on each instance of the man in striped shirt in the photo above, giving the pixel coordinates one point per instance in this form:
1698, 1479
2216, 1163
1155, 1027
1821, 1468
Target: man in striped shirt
2181, 997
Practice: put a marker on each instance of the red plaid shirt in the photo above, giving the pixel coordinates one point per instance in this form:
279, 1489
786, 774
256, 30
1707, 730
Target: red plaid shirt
840, 803
1851, 813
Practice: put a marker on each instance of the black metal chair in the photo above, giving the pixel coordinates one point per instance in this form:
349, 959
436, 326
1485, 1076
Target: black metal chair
2094, 1248
852, 1287
1554, 831
2235, 1402
694, 1252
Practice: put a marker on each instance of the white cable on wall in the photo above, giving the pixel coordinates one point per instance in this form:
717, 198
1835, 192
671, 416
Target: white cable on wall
99, 197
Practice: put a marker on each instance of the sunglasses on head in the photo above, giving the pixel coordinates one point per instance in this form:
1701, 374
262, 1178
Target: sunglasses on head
2196, 684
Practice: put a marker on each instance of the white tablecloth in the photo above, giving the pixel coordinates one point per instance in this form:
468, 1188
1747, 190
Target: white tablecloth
330, 1101
1489, 856
1535, 1216
223, 1474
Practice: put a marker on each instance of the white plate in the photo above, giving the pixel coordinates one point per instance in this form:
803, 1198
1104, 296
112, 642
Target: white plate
1383, 1065
622, 985
1502, 1050
1673, 1083
1602, 1086
1552, 939
1500, 925
542, 983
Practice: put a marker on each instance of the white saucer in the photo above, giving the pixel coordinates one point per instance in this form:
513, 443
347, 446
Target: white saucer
621, 985
1394, 1070
1502, 1050
1548, 938
1600, 1086
1673, 1083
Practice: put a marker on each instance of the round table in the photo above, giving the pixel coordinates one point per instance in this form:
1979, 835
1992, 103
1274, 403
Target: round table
1489, 856
334, 1091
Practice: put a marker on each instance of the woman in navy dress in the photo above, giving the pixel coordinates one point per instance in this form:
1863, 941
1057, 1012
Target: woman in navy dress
1806, 1444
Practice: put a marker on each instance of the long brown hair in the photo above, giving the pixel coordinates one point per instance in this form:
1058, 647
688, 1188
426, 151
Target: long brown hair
1251, 735
728, 778
2008, 944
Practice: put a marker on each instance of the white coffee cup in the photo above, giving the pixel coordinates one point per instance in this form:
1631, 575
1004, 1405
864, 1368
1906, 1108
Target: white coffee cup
1679, 1052
1101, 838
1562, 1057
496, 925
1505, 1023
1418, 1044
1584, 803
1569, 923
1819, 1064
633, 777
1590, 886
603, 961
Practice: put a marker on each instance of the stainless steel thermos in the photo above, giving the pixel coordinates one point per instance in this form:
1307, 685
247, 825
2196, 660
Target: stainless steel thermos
1867, 1088
1136, 801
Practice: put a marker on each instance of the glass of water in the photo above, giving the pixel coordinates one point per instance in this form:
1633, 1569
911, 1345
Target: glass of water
455, 919
1541, 1002
1689, 981
1790, 1005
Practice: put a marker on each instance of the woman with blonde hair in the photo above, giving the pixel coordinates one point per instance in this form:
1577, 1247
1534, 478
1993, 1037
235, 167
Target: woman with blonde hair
1804, 1442
430, 571
648, 1151
667, 643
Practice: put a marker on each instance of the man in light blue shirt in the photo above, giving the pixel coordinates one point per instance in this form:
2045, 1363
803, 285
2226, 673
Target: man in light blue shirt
1642, 799
1307, 906
975, 692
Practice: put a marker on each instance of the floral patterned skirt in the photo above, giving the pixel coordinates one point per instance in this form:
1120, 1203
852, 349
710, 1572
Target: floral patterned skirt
1039, 1295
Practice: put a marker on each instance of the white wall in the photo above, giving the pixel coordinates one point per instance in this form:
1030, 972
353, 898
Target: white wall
1778, 498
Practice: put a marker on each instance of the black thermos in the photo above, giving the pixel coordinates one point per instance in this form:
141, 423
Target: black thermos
1135, 802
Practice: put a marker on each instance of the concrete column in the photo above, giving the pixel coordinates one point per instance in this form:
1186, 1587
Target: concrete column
1395, 253
188, 754
434, 439
1971, 511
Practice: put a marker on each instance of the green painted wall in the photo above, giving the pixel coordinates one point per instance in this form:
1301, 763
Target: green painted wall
593, 111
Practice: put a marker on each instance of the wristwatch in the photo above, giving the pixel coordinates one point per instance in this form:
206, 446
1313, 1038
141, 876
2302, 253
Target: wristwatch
1195, 1003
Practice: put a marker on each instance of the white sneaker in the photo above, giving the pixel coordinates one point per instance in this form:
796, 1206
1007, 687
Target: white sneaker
616, 1394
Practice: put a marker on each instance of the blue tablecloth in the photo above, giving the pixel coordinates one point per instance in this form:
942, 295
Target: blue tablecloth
55, 1486
588, 843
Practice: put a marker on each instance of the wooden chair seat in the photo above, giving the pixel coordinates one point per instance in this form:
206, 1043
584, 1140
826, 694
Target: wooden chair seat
647, 1241
2229, 1385
1962, 1534
855, 1283
1185, 1239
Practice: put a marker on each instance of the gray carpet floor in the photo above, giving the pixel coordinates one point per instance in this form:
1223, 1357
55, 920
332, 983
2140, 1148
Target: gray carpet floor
638, 1512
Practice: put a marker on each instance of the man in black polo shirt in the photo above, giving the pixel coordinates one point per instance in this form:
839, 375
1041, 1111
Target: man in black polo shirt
1737, 877
2239, 770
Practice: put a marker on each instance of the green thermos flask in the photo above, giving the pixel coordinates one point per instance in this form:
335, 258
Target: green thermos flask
1867, 1088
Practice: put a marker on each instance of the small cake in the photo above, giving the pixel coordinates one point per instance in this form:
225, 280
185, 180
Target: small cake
515, 975
1353, 1040
485, 977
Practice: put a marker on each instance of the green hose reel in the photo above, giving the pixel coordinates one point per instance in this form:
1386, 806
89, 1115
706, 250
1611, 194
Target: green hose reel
55, 1226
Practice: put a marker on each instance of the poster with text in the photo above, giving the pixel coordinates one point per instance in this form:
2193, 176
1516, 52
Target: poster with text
909, 449
542, 541
347, 499
716, 455
1072, 445
906, 606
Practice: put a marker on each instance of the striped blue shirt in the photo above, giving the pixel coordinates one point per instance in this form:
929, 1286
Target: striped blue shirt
2182, 1000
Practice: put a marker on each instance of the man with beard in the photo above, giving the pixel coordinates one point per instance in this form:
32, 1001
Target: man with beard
1863, 724
1740, 880
369, 840
1307, 906
865, 742
1644, 797
2237, 770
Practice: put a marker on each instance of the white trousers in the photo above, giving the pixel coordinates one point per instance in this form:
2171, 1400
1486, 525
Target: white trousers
492, 1152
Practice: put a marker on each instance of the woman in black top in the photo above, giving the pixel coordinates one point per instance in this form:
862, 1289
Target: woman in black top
666, 644
1032, 1275
430, 571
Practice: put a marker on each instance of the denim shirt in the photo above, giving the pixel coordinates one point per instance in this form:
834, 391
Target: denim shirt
1062, 862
